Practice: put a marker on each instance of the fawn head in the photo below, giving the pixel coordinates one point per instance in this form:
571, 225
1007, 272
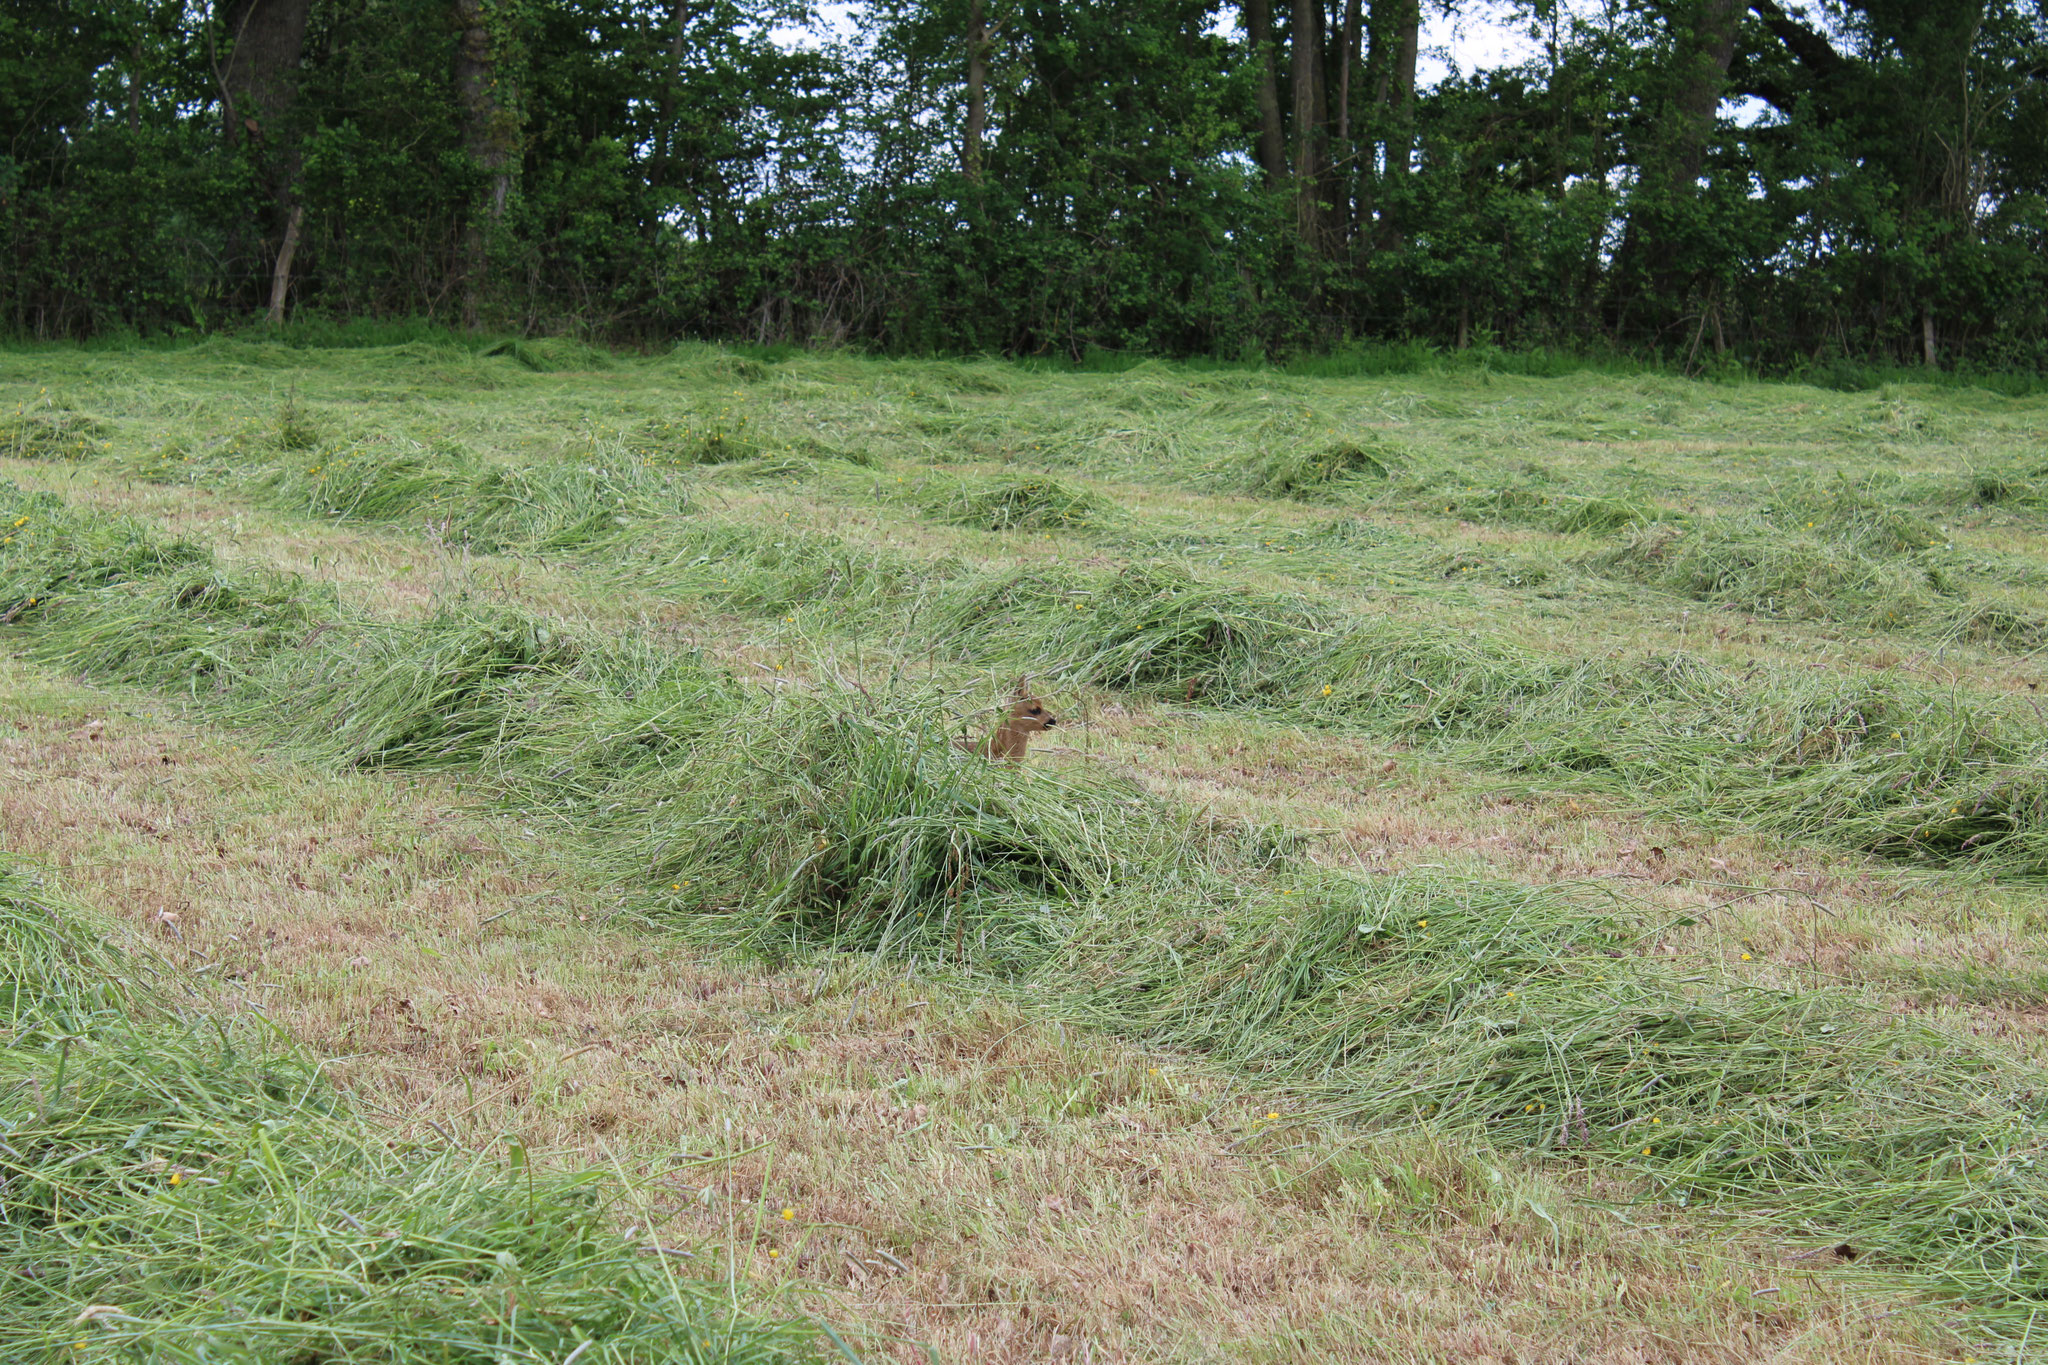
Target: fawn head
1026, 717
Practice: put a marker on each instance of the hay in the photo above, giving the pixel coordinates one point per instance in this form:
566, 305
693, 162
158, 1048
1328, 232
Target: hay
1035, 504
186, 1188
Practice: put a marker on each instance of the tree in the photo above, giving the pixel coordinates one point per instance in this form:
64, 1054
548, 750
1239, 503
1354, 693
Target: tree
486, 92
259, 84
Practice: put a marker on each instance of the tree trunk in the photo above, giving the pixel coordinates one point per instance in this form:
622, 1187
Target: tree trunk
1347, 174
977, 89
1258, 25
665, 108
1927, 354
1346, 57
258, 84
490, 134
1701, 84
266, 39
135, 89
1668, 172
281, 277
1397, 28
1305, 53
1403, 97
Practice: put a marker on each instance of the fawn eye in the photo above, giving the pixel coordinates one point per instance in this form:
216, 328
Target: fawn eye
1037, 710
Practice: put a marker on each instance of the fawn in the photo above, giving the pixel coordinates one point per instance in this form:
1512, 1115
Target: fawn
1026, 717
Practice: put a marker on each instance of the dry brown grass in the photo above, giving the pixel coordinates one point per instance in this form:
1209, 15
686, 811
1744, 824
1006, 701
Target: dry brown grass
959, 1170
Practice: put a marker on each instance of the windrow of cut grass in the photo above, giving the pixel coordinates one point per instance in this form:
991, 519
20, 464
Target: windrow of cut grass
837, 814
1826, 550
1017, 505
487, 507
1886, 764
1855, 552
1883, 764
181, 1187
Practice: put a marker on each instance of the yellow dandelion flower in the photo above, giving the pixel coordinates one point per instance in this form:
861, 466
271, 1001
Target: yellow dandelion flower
1745, 957
774, 1255
1274, 1114
1422, 924
788, 1215
1327, 689
177, 1177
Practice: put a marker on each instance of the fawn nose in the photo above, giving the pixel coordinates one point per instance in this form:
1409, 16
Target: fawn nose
1051, 721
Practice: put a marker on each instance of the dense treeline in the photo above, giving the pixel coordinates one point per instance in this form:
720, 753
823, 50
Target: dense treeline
1040, 176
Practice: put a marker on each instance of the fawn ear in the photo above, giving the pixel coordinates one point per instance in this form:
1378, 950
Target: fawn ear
1023, 688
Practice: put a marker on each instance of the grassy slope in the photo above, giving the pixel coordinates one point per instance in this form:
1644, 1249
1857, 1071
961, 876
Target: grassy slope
935, 446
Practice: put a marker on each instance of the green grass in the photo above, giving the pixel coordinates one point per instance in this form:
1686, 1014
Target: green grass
1769, 612
841, 816
180, 1187
1895, 767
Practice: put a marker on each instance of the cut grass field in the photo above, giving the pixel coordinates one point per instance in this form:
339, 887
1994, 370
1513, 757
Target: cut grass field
1599, 820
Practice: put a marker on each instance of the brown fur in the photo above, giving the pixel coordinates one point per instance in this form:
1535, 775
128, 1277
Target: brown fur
1026, 717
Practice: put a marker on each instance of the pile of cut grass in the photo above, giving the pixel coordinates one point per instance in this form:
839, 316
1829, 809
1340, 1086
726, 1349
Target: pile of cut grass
1854, 514
459, 499
1310, 473
1888, 766
1539, 505
740, 566
1749, 564
1531, 1020
47, 433
1035, 504
1824, 550
554, 506
182, 1188
547, 355
1157, 629
2022, 488
838, 815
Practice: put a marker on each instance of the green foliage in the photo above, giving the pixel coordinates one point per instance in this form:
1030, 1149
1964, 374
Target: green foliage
633, 172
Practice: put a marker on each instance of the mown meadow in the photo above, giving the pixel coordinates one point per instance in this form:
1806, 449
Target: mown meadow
1533, 865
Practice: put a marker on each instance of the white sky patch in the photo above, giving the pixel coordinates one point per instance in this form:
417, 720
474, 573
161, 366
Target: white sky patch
1481, 35
1481, 38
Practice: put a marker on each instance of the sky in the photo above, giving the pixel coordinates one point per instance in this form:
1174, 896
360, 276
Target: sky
1483, 34
1478, 38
